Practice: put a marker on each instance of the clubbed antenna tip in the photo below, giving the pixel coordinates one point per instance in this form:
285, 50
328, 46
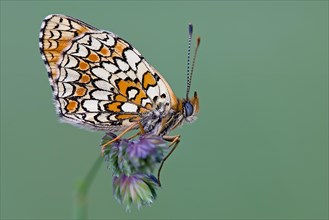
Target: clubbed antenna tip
198, 39
190, 29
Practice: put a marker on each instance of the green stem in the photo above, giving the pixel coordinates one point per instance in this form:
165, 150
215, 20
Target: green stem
81, 197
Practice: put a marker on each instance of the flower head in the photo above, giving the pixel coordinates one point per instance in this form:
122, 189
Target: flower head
136, 156
138, 189
132, 163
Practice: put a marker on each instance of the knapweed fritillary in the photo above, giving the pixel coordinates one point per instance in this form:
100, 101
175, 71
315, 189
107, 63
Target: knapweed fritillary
101, 82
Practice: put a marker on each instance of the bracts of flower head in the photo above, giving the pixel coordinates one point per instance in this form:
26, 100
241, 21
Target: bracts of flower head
132, 163
135, 189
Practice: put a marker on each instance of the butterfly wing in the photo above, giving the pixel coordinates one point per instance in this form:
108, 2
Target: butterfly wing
98, 79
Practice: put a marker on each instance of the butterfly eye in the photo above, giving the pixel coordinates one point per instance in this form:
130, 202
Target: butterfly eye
188, 107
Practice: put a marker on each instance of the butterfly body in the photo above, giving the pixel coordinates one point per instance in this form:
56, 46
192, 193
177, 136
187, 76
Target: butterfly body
100, 81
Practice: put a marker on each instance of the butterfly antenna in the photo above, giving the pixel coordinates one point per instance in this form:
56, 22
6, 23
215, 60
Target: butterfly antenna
188, 80
194, 57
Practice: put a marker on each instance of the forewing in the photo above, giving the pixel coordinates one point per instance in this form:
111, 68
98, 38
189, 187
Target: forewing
99, 80
56, 34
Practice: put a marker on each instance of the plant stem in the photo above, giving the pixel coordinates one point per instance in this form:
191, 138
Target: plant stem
81, 202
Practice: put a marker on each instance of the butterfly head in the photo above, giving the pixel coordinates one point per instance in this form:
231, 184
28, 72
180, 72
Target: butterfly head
191, 108
190, 105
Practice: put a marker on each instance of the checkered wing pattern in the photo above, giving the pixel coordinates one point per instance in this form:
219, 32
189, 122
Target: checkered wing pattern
98, 79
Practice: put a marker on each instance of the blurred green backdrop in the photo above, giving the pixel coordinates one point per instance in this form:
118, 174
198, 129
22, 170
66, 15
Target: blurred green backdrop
258, 150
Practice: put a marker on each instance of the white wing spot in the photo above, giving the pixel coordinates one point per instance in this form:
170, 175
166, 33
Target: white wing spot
72, 75
122, 65
109, 42
132, 58
100, 95
68, 89
95, 44
44, 23
82, 51
91, 105
141, 69
84, 40
152, 92
132, 93
73, 49
41, 34
110, 67
163, 90
60, 89
104, 85
113, 118
103, 117
72, 62
128, 107
101, 73
62, 74
146, 101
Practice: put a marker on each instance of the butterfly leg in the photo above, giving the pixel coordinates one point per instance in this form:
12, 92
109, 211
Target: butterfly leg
141, 127
135, 135
124, 132
142, 131
174, 141
119, 136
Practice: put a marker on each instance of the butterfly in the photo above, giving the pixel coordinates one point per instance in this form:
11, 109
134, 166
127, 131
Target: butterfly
101, 82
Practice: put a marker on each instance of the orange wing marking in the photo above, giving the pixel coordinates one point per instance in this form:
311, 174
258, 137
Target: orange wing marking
71, 106
83, 65
127, 116
119, 47
93, 57
80, 91
114, 107
105, 51
148, 80
120, 98
85, 78
123, 86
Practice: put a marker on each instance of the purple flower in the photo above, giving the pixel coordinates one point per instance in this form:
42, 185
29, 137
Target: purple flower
138, 189
132, 163
141, 155
147, 145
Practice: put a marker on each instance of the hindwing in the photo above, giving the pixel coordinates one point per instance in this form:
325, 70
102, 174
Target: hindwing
98, 79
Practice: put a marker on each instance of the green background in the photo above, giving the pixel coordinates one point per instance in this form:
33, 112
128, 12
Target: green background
259, 148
